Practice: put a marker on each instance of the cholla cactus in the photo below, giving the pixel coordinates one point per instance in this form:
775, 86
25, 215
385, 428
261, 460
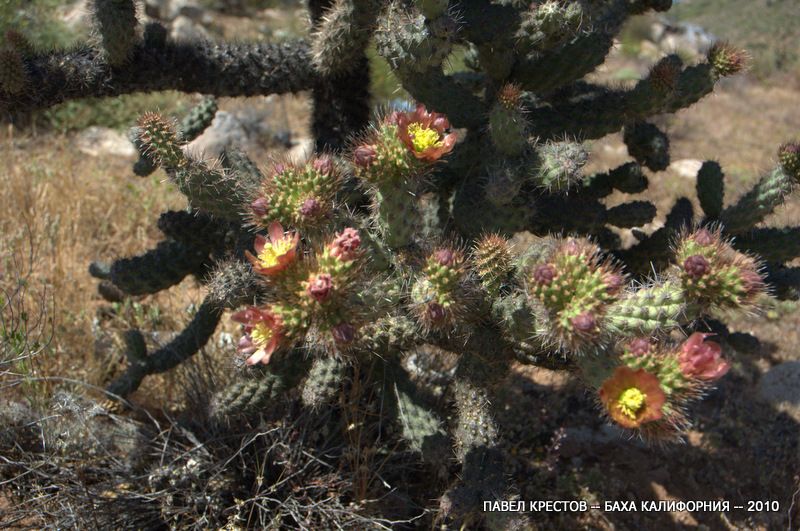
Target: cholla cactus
323, 277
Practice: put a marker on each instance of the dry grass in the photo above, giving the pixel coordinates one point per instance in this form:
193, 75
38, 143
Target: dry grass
74, 209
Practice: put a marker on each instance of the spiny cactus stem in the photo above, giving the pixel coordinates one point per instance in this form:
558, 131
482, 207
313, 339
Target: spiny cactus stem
255, 69
185, 345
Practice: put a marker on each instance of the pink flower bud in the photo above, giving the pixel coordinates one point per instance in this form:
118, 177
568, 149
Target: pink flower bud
320, 287
639, 346
323, 165
702, 359
584, 322
614, 283
346, 244
279, 168
364, 156
445, 257
571, 247
752, 281
703, 237
310, 208
435, 312
260, 207
544, 274
696, 266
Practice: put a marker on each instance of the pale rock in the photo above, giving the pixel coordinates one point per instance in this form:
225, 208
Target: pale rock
98, 141
686, 168
185, 29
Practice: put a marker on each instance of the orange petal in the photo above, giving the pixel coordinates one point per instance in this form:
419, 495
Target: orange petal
275, 231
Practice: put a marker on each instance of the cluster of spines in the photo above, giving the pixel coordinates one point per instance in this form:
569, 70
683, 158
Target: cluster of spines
572, 288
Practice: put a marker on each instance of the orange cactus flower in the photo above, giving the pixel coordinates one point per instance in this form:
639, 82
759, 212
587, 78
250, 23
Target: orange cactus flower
275, 254
263, 334
632, 397
424, 133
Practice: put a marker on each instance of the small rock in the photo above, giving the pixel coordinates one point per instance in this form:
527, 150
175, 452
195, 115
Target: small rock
77, 15
225, 131
302, 149
650, 51
780, 387
185, 29
687, 168
98, 141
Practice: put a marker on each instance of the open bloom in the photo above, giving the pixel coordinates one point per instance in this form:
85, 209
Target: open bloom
275, 254
632, 397
424, 133
702, 359
263, 334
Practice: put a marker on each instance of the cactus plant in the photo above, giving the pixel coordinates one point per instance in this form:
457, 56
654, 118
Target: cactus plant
328, 262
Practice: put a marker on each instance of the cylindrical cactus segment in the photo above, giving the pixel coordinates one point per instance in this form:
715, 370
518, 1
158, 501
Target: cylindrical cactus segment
116, 23
493, 261
13, 76
648, 310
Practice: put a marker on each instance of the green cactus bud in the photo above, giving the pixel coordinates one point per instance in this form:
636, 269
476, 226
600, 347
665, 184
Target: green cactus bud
324, 381
116, 23
726, 60
767, 194
711, 272
574, 287
648, 310
13, 76
507, 122
560, 165
648, 145
198, 119
339, 41
661, 362
438, 296
160, 140
789, 156
300, 196
547, 24
493, 261
407, 42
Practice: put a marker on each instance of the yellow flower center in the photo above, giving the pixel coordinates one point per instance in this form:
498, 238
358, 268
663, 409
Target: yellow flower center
423, 138
261, 334
269, 255
631, 401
